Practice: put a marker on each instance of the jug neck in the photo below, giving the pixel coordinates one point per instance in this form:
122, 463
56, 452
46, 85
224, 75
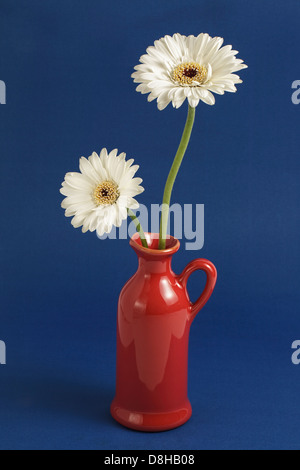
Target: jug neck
151, 259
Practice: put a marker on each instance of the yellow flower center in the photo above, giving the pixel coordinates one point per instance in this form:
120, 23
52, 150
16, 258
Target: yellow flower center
190, 73
106, 193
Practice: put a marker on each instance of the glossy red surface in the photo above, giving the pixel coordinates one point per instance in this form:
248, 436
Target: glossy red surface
154, 319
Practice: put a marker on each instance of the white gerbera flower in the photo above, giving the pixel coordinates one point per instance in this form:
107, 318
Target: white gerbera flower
99, 196
181, 67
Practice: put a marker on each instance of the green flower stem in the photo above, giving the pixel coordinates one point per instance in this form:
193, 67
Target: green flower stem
172, 176
138, 227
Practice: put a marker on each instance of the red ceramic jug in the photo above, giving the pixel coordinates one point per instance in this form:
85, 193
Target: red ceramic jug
154, 319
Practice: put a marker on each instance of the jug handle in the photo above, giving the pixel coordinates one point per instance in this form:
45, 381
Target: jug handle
211, 274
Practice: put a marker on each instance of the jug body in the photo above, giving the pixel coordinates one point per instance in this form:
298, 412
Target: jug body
154, 319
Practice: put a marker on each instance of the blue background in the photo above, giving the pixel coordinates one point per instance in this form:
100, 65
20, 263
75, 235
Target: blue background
67, 67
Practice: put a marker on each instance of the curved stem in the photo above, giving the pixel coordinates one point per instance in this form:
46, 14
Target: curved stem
172, 176
138, 227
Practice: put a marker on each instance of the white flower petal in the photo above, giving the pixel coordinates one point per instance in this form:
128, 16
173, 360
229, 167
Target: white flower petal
87, 169
193, 102
77, 198
79, 208
96, 163
78, 181
67, 190
90, 222
132, 203
208, 98
77, 221
122, 210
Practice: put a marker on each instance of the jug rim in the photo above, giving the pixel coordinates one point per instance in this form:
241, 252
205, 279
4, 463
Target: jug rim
173, 244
